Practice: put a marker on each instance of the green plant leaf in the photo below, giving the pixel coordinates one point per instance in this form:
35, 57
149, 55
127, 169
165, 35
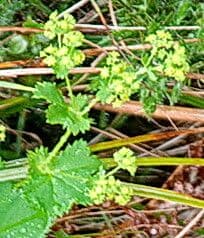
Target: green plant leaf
50, 190
49, 92
17, 45
18, 217
8, 10
59, 112
116, 82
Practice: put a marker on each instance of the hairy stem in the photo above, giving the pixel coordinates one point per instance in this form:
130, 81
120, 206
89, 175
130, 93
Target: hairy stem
113, 171
59, 145
69, 86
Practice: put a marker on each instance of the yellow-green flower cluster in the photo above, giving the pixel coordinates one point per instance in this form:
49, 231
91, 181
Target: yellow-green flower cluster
108, 188
170, 58
64, 55
117, 81
2, 133
56, 26
126, 160
62, 59
160, 39
175, 65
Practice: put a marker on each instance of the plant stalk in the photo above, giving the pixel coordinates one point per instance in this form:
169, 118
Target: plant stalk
164, 194
59, 145
157, 161
143, 138
69, 86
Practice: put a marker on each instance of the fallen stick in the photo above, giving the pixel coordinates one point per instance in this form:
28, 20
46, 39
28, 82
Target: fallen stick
23, 30
40, 71
45, 70
30, 63
97, 51
94, 28
162, 112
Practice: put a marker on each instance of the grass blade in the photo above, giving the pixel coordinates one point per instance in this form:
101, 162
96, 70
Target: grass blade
164, 194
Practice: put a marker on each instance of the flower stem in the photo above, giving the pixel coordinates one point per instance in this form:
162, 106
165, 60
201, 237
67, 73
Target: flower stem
69, 86
59, 40
113, 171
59, 145
91, 104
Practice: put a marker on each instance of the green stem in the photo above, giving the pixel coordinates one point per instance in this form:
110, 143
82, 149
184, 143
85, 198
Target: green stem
157, 161
136, 139
69, 86
15, 104
113, 171
20, 127
164, 194
91, 104
59, 145
15, 163
109, 163
148, 161
191, 100
21, 172
149, 59
13, 174
59, 40
15, 86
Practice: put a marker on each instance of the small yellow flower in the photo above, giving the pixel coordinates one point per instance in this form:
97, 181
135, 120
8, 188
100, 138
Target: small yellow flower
151, 38
2, 133
50, 60
104, 72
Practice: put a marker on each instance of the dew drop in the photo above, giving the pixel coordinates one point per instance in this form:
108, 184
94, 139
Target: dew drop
32, 224
23, 230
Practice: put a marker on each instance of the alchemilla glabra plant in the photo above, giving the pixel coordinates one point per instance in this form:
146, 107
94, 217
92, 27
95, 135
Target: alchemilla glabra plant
59, 178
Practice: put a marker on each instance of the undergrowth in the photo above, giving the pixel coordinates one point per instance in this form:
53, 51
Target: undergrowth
49, 182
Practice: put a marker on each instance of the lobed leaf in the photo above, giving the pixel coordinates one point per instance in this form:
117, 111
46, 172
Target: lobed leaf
18, 217
49, 92
50, 190
59, 112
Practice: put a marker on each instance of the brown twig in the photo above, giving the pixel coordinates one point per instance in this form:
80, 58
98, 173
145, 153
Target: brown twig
73, 7
42, 70
116, 135
22, 63
174, 112
103, 28
134, 146
93, 64
94, 28
191, 224
96, 51
98, 10
38, 71
23, 30
195, 76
